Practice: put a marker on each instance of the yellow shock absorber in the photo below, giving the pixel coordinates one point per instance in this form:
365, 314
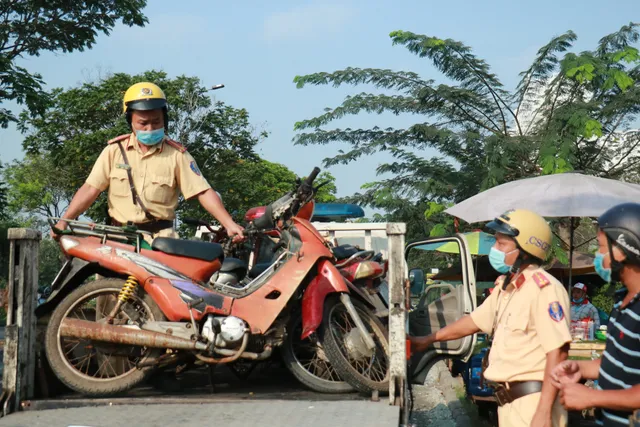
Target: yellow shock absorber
128, 289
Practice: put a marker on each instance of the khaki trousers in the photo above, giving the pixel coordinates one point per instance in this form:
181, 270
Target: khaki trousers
520, 412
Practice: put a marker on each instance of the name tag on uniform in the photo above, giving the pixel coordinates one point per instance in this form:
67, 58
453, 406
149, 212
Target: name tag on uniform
123, 166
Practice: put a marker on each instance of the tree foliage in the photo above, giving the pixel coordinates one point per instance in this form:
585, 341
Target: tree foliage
570, 111
30, 27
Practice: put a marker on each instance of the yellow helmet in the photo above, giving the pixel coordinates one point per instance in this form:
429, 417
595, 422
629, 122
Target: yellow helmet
530, 231
144, 96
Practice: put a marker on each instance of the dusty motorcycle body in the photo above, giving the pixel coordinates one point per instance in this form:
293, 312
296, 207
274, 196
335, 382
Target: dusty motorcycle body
160, 303
362, 270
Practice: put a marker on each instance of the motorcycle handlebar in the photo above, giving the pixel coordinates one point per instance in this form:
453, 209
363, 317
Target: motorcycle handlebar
312, 176
194, 221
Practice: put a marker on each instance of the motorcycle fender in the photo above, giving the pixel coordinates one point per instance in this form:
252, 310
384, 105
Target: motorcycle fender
327, 281
72, 274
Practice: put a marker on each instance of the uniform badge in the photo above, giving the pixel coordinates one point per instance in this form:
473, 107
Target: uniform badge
541, 280
194, 167
555, 311
122, 166
146, 91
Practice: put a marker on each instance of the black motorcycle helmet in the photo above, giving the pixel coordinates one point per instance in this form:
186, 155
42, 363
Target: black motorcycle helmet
621, 225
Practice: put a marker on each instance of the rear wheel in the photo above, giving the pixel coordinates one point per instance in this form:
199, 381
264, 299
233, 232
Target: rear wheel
307, 361
96, 368
366, 370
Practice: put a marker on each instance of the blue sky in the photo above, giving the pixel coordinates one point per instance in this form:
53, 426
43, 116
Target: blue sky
256, 48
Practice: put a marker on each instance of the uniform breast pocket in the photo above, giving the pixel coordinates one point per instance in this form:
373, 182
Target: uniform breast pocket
119, 183
160, 189
517, 327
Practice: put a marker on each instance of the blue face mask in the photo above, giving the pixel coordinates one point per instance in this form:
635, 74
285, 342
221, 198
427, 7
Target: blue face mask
150, 137
577, 300
598, 264
496, 259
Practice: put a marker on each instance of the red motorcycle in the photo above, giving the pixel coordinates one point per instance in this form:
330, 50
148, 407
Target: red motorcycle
303, 356
154, 306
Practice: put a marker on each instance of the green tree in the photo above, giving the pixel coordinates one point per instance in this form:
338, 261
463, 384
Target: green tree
327, 192
4, 214
569, 112
30, 27
36, 185
50, 262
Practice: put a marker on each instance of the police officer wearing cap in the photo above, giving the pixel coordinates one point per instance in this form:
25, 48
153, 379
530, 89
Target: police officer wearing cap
145, 170
618, 370
526, 317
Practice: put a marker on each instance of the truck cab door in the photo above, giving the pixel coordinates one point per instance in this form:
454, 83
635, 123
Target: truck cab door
439, 299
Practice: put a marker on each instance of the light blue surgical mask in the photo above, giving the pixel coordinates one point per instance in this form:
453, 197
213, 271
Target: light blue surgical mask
150, 137
577, 300
598, 264
496, 259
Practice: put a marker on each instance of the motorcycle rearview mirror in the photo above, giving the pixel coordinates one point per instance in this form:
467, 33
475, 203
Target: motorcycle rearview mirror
417, 281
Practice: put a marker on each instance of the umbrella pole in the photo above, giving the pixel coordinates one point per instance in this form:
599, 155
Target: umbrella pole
570, 254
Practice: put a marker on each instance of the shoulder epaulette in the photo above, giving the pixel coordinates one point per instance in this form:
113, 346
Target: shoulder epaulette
119, 138
541, 279
181, 148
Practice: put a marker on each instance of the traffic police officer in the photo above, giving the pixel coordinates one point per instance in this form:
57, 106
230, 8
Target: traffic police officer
144, 171
527, 318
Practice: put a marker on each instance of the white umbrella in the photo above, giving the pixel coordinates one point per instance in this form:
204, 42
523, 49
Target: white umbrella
560, 195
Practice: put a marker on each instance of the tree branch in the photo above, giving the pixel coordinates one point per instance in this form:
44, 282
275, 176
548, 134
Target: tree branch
622, 158
606, 140
494, 95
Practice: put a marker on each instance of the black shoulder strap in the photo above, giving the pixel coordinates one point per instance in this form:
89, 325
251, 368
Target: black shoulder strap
134, 193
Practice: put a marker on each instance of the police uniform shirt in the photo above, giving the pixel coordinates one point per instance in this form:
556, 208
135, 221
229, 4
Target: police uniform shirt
620, 365
532, 320
157, 174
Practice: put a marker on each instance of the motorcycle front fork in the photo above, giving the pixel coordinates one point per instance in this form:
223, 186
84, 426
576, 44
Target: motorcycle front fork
366, 338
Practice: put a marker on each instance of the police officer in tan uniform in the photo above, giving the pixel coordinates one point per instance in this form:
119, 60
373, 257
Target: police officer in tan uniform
144, 171
527, 318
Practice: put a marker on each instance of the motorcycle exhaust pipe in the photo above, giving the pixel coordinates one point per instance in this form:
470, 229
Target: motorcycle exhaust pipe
85, 329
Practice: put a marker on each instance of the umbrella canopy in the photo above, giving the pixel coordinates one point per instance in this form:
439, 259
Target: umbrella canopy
580, 264
559, 195
479, 244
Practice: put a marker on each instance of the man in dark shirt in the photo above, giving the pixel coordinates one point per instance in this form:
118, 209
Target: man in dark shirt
618, 370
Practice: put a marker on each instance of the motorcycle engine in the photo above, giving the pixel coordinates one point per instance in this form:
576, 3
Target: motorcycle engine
226, 331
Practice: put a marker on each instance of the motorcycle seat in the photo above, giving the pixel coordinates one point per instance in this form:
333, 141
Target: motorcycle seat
345, 251
188, 248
